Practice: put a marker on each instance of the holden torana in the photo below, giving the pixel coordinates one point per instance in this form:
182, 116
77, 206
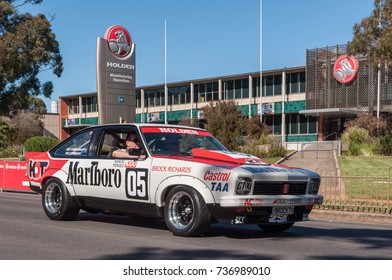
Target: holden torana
182, 174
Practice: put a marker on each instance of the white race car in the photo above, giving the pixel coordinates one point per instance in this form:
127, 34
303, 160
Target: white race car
182, 174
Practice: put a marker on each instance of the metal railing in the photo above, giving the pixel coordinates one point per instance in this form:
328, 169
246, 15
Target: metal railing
357, 192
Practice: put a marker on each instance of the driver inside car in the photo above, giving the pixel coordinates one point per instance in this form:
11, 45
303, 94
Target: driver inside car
131, 142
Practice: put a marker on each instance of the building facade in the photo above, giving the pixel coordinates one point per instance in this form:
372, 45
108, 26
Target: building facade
301, 104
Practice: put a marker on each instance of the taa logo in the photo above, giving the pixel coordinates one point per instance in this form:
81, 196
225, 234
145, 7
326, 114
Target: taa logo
219, 187
136, 183
37, 168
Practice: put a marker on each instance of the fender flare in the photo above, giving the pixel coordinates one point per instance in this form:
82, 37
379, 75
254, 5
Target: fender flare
182, 180
62, 176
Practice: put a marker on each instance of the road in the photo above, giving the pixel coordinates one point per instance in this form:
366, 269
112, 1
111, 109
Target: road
27, 234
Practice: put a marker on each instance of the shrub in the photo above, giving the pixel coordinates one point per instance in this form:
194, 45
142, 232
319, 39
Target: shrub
11, 151
264, 146
375, 126
386, 145
40, 143
358, 141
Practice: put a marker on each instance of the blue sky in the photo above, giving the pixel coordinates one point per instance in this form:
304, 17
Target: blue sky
205, 38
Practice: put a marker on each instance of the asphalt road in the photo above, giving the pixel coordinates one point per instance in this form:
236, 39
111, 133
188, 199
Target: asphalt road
27, 234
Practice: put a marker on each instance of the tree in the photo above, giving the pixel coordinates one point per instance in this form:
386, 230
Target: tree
373, 36
5, 130
26, 125
27, 47
225, 122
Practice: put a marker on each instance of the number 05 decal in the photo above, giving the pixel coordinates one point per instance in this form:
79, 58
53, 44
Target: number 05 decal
136, 183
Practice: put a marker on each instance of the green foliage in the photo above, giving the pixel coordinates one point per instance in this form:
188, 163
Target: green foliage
357, 139
373, 36
11, 151
40, 144
368, 135
375, 126
5, 131
386, 145
225, 122
27, 47
264, 146
255, 128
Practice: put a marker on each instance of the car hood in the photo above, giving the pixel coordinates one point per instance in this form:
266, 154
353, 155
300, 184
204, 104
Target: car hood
228, 157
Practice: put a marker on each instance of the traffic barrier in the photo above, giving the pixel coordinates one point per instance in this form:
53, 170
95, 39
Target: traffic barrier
13, 174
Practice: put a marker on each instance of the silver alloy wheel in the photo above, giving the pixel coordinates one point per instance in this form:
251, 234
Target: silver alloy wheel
181, 210
53, 197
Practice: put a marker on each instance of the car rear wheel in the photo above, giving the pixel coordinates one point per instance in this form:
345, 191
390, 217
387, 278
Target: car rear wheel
275, 227
186, 213
57, 202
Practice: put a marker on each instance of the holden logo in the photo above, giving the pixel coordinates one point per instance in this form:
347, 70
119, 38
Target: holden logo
286, 188
119, 41
345, 68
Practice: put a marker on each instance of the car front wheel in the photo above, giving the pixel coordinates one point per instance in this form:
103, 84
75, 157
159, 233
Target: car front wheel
186, 213
57, 202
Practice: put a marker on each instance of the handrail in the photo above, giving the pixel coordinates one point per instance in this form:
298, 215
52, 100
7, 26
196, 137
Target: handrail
336, 135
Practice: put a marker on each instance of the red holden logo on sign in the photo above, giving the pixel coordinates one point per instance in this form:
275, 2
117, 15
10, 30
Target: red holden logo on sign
345, 68
119, 41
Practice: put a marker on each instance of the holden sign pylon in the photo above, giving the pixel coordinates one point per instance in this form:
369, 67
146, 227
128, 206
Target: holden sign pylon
116, 76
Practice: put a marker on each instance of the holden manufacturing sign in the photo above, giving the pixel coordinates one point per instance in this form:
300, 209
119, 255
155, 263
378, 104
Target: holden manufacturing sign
345, 68
116, 76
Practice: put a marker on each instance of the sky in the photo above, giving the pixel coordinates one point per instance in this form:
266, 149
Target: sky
204, 38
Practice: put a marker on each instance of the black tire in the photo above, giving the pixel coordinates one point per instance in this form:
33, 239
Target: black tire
276, 227
186, 213
57, 202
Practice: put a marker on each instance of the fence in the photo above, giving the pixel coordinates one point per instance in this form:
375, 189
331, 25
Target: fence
357, 192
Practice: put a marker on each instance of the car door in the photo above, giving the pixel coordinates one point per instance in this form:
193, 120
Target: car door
118, 180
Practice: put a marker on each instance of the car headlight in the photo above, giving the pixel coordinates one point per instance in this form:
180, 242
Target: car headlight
244, 186
314, 186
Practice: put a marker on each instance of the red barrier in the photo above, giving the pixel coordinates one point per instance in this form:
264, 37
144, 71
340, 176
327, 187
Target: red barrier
13, 174
2, 174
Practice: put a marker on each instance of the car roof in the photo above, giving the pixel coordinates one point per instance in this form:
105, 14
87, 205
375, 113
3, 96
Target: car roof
114, 125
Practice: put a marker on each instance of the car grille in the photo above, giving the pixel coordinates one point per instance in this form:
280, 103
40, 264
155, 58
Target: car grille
276, 188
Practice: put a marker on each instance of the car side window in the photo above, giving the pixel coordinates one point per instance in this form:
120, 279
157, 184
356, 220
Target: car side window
76, 146
109, 144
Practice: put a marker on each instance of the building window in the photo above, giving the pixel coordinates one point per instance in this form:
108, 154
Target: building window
202, 93
151, 98
73, 107
209, 92
215, 91
237, 85
196, 93
312, 124
303, 124
256, 87
293, 124
229, 90
295, 82
89, 104
302, 82
245, 88
138, 98
278, 84
269, 85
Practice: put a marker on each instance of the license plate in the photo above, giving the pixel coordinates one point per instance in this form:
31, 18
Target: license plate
282, 210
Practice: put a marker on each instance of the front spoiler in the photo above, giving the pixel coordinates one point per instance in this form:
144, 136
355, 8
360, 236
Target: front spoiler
268, 201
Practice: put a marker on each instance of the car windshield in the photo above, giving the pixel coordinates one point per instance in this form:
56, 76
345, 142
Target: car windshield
173, 141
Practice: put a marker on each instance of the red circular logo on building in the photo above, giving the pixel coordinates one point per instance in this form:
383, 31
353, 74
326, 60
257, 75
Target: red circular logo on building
119, 40
345, 68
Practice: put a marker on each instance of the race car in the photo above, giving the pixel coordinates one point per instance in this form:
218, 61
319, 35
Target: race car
182, 174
